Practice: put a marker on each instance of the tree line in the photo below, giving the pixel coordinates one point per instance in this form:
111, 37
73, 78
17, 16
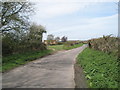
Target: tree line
62, 39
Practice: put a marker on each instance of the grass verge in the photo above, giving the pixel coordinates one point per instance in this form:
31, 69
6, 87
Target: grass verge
15, 60
101, 69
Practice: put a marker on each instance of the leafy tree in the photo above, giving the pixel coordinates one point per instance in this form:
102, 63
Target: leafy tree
50, 37
64, 39
14, 23
13, 43
36, 32
8, 44
57, 39
17, 33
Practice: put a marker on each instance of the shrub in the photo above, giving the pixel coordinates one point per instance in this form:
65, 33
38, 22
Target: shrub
106, 44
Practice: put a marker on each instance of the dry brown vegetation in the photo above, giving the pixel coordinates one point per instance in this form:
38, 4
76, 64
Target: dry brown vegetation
106, 44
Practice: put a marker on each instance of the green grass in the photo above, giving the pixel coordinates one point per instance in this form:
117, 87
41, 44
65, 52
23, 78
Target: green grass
56, 47
68, 47
63, 47
100, 69
12, 61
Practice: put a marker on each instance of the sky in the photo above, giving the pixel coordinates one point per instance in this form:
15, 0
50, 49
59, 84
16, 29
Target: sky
77, 19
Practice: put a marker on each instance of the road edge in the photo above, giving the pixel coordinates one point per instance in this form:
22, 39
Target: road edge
79, 76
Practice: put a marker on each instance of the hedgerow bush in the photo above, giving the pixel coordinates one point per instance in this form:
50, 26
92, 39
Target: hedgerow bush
72, 44
9, 46
106, 44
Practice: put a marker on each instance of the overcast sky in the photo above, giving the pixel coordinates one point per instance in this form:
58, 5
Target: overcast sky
77, 19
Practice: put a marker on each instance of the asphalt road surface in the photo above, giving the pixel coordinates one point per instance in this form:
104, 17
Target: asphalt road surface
53, 71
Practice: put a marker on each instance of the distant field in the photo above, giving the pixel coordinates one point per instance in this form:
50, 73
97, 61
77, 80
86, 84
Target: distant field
63, 47
101, 69
68, 47
56, 47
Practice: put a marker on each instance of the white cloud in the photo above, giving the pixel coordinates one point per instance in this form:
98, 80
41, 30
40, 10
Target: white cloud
94, 27
90, 23
47, 10
53, 8
85, 28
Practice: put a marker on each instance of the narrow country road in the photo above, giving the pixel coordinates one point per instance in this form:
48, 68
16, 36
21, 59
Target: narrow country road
53, 71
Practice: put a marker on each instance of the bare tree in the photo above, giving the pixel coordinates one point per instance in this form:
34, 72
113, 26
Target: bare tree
14, 15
